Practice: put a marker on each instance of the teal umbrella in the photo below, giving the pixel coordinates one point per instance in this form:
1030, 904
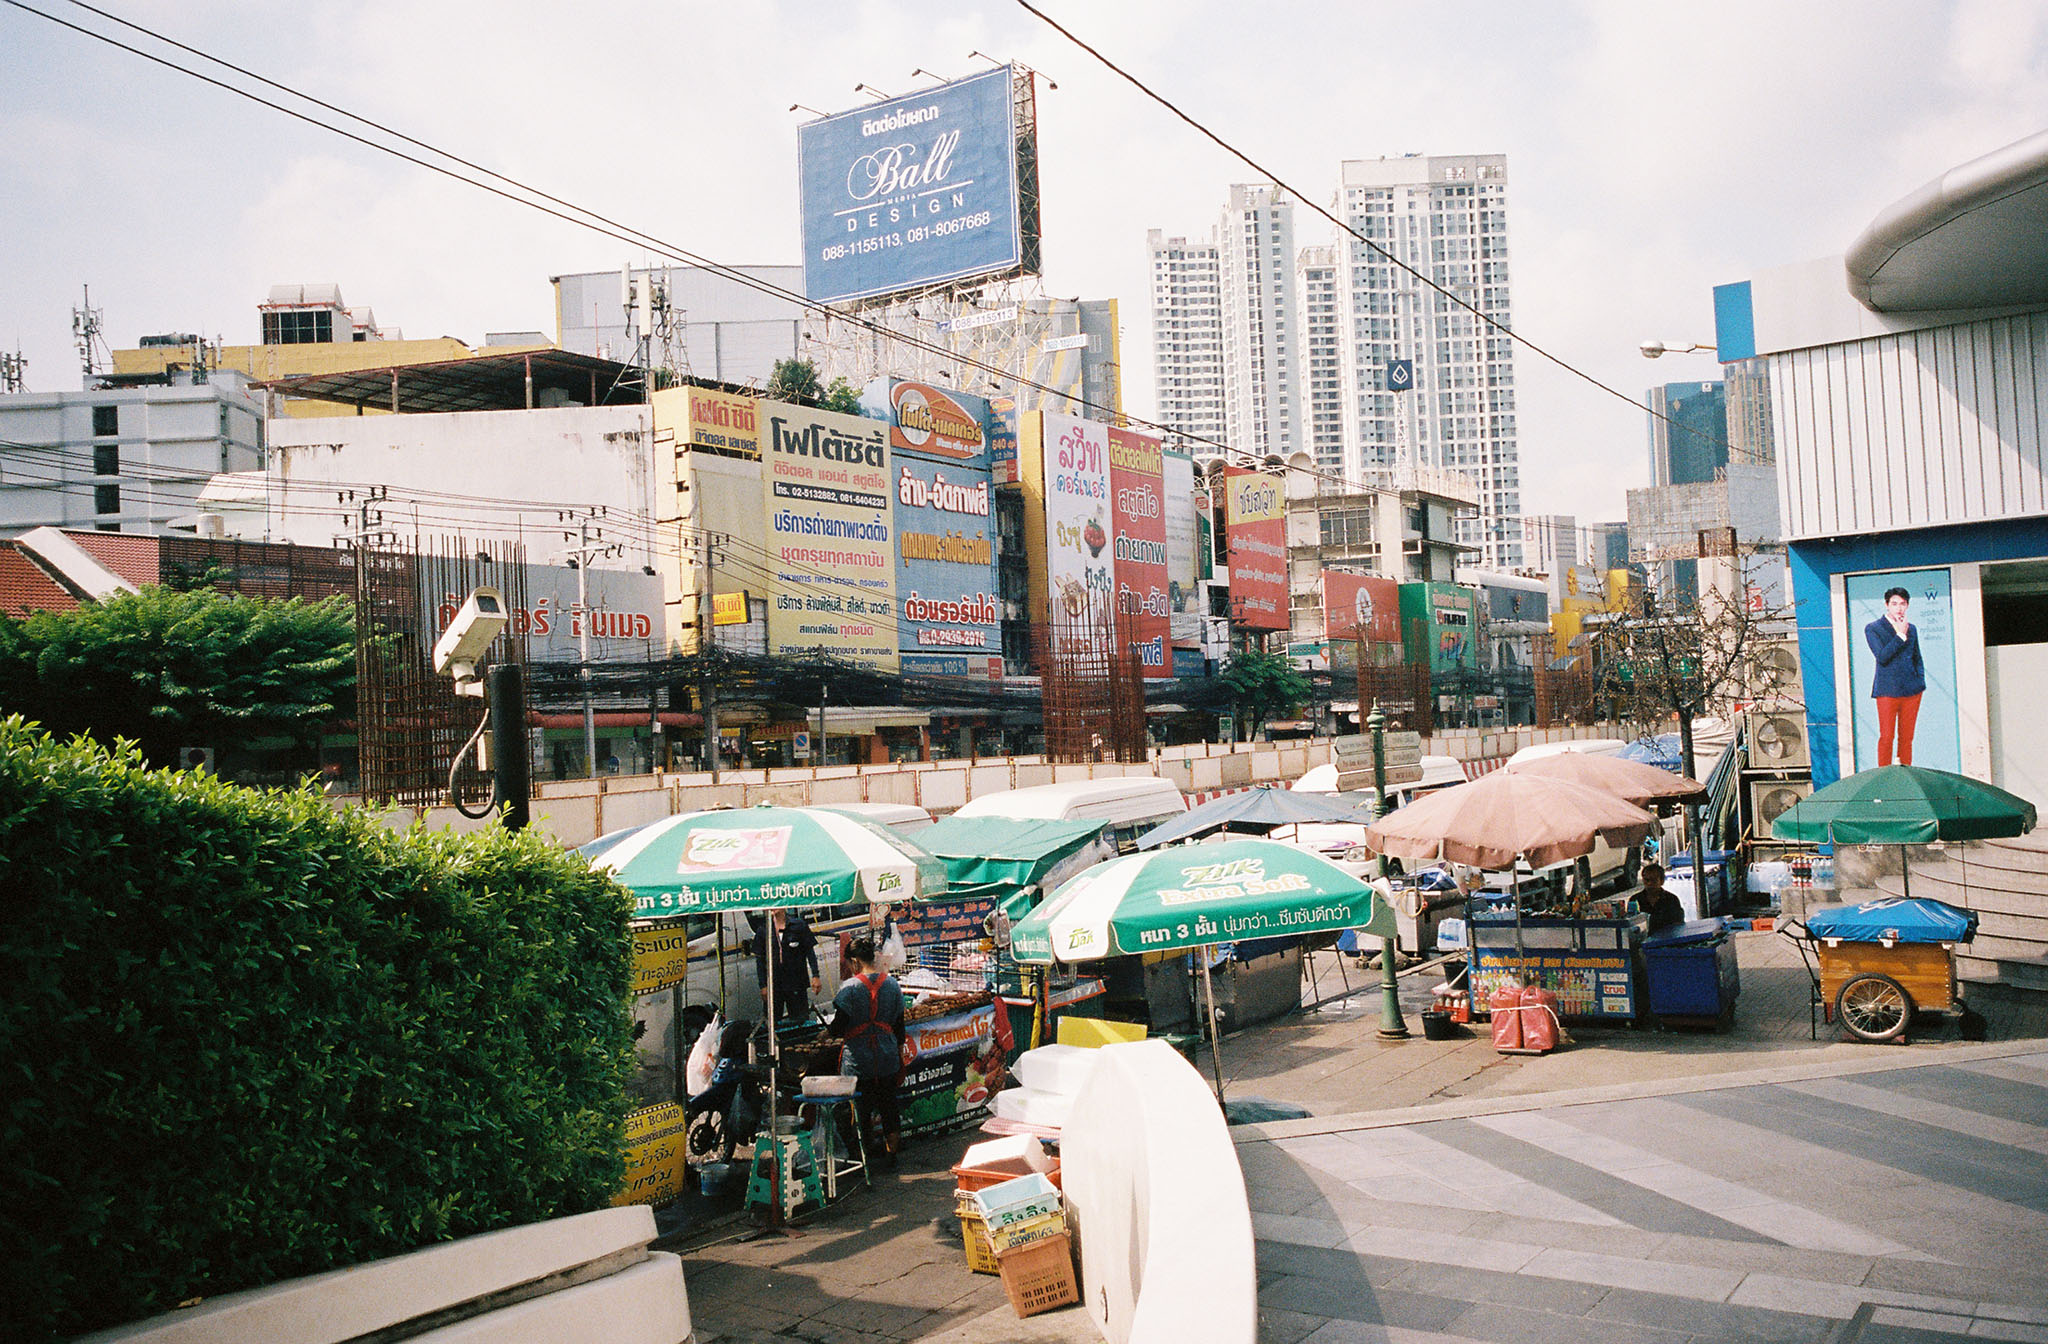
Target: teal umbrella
1189, 896
1905, 805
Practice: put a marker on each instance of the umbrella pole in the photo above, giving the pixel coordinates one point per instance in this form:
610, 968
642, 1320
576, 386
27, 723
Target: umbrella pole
1215, 1038
774, 1076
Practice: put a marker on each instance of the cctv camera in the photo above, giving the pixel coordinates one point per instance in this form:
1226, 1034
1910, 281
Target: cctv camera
478, 623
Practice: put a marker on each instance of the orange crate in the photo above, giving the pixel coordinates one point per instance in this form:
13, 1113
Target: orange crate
981, 1257
967, 1180
1040, 1276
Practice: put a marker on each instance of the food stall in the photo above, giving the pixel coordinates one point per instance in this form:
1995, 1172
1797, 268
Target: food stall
1587, 960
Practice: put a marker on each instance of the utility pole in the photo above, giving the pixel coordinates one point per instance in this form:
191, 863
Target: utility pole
590, 544
1392, 1028
707, 697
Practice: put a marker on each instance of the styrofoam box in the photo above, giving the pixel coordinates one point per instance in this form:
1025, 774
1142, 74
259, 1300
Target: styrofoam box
1056, 1068
1032, 1106
1020, 1153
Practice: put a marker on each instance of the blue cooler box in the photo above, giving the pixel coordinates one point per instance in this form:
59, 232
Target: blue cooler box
1691, 970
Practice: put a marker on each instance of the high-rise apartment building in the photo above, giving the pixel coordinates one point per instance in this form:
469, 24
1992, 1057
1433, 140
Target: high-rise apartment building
1261, 328
1322, 398
1443, 219
1187, 335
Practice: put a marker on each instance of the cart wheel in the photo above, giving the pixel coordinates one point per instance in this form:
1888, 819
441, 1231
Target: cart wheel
1873, 1008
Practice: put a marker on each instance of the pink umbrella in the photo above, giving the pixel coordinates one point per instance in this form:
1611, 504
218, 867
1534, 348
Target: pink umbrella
1505, 816
1643, 785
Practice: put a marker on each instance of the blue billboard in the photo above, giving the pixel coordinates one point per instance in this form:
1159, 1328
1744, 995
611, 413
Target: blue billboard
912, 192
949, 608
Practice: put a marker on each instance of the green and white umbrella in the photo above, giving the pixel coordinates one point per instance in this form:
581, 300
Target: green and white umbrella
759, 858
1196, 895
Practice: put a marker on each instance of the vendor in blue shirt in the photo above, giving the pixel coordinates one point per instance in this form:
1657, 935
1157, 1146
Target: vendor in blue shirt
868, 1015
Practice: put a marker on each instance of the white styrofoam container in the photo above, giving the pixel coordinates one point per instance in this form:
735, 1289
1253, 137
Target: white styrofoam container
1056, 1068
1033, 1106
1018, 1152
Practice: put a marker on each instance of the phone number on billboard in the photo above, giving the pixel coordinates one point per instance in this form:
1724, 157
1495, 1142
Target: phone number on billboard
907, 237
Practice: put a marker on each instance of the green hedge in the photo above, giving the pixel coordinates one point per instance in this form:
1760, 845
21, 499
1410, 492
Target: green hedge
245, 1037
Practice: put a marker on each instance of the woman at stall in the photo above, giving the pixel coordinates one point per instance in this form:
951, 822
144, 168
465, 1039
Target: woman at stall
868, 1016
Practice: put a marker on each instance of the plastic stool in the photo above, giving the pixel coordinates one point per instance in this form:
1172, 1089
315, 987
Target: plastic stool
800, 1173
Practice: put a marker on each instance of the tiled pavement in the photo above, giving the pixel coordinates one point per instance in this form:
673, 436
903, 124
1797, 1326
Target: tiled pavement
1889, 1205
1639, 1186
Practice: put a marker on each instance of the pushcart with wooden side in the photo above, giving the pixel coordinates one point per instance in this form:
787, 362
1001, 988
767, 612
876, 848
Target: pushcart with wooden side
1873, 966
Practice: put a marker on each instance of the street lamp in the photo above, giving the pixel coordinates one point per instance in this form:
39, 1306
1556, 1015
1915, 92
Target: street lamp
1653, 348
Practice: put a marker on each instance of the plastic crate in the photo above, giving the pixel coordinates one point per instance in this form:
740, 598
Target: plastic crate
1003, 1240
981, 1257
967, 1180
1040, 1276
1017, 1201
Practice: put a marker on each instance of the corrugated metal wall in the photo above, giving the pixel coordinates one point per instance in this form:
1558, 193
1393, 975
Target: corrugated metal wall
1921, 429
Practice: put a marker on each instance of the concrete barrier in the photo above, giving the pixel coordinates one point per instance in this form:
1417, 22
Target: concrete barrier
1165, 1229
586, 1278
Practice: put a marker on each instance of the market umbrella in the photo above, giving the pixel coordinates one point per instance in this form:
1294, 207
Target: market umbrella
1506, 816
1905, 805
762, 858
1641, 784
1260, 809
1196, 896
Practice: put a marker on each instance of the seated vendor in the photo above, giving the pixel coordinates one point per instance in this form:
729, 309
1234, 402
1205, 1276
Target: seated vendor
1656, 901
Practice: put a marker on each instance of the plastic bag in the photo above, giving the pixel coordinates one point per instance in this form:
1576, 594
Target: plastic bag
894, 957
703, 1057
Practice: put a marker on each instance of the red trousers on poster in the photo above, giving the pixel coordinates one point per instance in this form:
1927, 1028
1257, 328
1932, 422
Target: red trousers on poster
1896, 716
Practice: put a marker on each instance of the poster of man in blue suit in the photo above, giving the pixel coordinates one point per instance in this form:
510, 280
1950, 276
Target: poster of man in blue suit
1902, 668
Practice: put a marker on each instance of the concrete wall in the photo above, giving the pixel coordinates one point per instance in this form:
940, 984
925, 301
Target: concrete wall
578, 810
564, 1281
1165, 1229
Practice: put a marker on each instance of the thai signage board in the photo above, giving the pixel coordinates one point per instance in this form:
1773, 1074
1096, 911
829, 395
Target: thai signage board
1440, 625
721, 422
1078, 559
1361, 606
830, 535
915, 191
949, 617
1181, 572
1137, 486
1255, 522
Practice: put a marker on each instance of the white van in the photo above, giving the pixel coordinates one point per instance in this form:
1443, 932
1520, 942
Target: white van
903, 817
1130, 805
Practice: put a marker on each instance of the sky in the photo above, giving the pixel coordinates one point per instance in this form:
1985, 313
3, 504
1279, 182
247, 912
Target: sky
1654, 151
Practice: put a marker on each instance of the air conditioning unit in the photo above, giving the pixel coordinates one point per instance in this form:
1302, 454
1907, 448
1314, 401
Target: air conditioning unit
1770, 799
1777, 739
1773, 673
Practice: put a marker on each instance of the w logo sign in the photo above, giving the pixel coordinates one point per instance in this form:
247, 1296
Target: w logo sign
1400, 375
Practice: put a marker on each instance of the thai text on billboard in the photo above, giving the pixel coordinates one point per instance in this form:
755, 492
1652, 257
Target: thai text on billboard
1078, 560
1178, 475
831, 547
1254, 513
721, 422
1001, 429
949, 603
911, 192
1137, 487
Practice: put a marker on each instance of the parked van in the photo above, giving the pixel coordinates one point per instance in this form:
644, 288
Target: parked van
903, 817
1130, 805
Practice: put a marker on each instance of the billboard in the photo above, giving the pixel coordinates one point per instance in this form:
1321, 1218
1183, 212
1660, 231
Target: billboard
949, 604
1137, 486
1255, 521
912, 192
831, 549
1365, 605
1918, 728
1181, 571
1075, 479
1001, 430
1440, 625
721, 422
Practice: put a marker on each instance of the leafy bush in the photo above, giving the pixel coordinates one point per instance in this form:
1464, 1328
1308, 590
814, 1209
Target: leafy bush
246, 1037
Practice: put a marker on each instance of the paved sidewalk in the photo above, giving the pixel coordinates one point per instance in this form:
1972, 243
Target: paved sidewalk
1438, 1184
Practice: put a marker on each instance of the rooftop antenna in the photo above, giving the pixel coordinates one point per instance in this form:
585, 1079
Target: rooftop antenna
13, 371
85, 334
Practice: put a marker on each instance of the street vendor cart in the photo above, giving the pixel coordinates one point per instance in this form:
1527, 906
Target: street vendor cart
1875, 964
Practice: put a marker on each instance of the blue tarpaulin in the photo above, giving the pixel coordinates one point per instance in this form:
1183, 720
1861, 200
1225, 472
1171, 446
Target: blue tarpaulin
1897, 920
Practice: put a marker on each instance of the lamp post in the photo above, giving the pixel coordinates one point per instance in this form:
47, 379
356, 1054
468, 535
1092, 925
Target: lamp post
1392, 1028
1653, 348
